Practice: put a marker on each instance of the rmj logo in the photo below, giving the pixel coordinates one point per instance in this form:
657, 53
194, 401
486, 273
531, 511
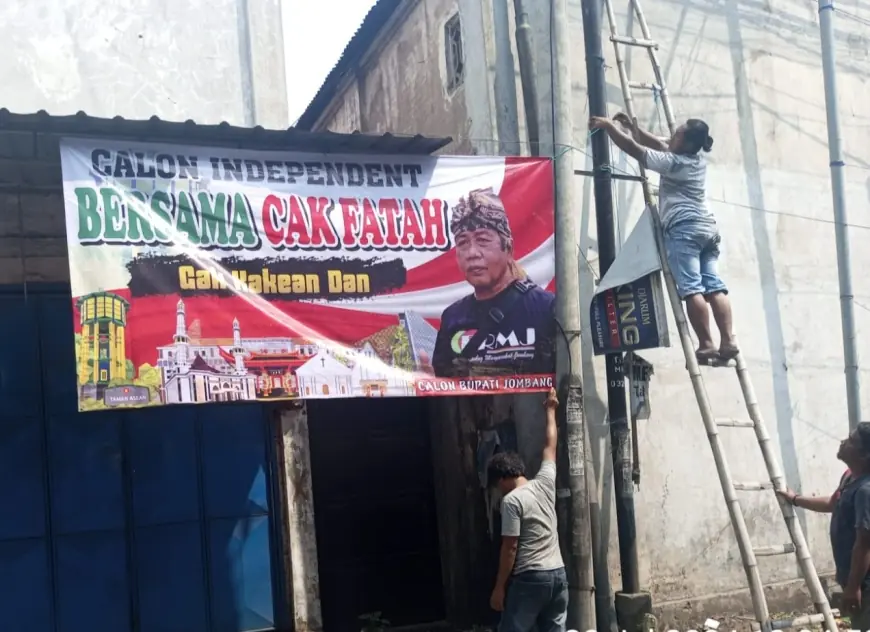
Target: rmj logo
492, 342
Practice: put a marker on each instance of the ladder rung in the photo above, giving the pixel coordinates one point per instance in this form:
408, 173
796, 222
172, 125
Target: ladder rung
774, 549
802, 621
633, 41
614, 176
643, 85
735, 423
718, 363
753, 487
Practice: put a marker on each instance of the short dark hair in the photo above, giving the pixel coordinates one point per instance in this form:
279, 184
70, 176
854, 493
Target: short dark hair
862, 431
697, 136
504, 465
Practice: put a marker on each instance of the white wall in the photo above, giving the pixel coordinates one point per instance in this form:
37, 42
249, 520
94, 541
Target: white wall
176, 60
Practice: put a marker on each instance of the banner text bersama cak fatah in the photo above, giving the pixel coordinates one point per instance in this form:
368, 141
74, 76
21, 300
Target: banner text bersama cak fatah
207, 220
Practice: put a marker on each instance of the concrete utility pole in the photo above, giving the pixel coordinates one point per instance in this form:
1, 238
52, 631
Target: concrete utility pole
246, 69
573, 461
838, 189
505, 83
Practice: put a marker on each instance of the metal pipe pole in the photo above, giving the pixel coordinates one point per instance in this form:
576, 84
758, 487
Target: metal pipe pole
246, 65
573, 465
617, 410
838, 189
505, 83
527, 75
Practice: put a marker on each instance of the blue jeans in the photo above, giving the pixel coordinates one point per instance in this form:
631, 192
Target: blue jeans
693, 255
536, 598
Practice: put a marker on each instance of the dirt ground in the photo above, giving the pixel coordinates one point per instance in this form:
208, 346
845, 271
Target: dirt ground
727, 623
745, 623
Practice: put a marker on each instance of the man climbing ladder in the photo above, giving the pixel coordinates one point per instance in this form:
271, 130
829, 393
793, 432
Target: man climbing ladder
691, 234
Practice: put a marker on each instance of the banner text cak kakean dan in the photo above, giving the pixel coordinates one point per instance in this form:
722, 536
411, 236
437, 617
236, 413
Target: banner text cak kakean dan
211, 275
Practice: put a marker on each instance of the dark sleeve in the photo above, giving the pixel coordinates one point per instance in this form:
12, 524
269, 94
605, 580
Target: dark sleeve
862, 507
442, 356
550, 325
545, 332
841, 485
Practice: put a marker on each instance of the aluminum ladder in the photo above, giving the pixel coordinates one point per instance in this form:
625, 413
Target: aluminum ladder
748, 553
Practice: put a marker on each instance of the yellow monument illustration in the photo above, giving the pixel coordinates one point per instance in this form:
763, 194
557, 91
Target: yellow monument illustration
102, 352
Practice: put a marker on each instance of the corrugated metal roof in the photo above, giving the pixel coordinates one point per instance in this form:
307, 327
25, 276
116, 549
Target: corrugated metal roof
223, 134
359, 44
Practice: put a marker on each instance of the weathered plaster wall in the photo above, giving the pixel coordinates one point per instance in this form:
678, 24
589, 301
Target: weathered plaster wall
176, 60
345, 115
32, 228
401, 85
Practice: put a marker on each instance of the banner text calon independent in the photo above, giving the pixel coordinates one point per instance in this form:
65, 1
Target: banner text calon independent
229, 221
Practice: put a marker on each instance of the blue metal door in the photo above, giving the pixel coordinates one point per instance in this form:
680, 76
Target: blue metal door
154, 520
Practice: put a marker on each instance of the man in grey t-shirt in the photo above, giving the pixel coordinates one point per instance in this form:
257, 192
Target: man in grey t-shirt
530, 557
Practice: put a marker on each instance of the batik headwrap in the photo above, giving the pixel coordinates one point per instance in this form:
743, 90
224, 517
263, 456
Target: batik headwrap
484, 209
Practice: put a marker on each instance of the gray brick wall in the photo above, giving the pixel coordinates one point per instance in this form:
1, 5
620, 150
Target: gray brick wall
32, 230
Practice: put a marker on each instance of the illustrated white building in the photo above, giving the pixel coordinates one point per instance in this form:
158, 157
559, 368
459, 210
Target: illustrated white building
372, 378
324, 376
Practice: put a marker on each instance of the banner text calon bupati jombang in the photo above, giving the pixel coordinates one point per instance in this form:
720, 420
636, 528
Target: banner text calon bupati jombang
203, 275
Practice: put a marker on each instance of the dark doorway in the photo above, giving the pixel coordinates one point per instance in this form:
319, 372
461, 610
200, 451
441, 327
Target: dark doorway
374, 504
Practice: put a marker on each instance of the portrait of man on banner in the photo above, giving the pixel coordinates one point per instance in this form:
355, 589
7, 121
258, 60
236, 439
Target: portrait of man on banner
506, 325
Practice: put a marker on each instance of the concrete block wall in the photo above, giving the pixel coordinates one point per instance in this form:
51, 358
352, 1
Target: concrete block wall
32, 229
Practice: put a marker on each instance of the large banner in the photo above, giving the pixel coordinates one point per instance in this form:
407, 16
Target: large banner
203, 275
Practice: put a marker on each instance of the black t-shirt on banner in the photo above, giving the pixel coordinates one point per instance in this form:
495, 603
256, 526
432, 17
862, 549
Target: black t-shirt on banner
518, 334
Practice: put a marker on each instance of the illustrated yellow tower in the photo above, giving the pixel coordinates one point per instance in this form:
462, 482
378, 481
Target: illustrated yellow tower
102, 351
